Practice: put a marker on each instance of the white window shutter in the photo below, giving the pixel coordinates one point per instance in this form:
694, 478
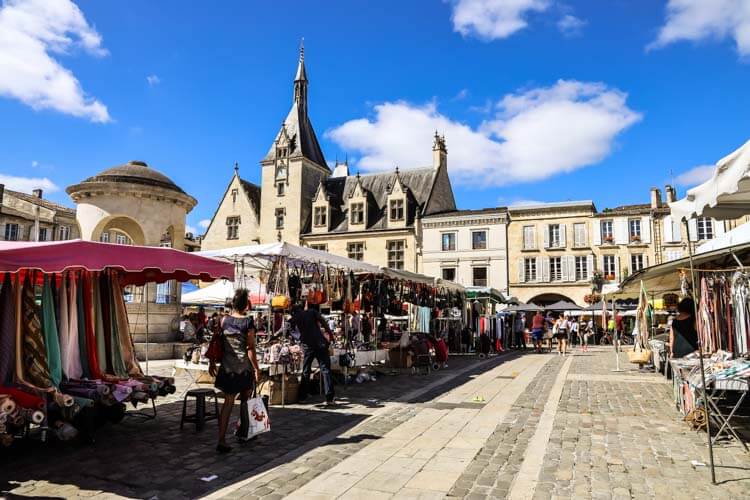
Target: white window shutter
677, 229
719, 228
617, 268
692, 230
20, 233
646, 229
621, 231
571, 268
645, 260
545, 270
564, 276
589, 266
521, 271
546, 235
596, 232
563, 243
668, 229
2, 231
539, 264
584, 236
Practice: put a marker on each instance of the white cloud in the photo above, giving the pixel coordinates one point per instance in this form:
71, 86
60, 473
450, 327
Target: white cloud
533, 134
493, 19
153, 80
34, 163
191, 229
31, 31
696, 20
696, 175
462, 94
28, 184
570, 25
525, 203
205, 223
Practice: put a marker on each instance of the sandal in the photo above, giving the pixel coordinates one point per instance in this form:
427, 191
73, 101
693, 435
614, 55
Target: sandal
222, 448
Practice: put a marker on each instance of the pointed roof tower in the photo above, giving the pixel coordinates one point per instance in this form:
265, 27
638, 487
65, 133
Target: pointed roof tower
297, 127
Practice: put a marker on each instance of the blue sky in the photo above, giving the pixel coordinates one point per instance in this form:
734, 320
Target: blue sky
538, 99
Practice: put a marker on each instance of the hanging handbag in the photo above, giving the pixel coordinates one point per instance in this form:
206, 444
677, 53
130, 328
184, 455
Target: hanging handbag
215, 352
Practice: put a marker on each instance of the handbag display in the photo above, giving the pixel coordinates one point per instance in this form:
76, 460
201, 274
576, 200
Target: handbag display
281, 302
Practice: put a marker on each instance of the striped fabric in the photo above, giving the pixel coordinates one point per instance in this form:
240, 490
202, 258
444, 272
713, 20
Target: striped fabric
36, 370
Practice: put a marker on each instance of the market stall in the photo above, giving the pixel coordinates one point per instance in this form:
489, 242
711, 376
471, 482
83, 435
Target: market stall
66, 353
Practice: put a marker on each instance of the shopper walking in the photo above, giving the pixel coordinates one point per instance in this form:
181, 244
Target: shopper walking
519, 325
562, 335
314, 346
239, 365
537, 330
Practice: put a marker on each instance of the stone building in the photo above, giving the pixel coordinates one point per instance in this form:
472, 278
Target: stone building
133, 204
468, 247
376, 217
29, 217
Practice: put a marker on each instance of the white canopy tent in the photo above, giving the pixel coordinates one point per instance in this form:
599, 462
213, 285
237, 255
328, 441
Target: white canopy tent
219, 292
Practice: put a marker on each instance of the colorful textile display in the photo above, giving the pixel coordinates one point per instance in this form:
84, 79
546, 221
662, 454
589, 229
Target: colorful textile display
51, 339
34, 353
7, 330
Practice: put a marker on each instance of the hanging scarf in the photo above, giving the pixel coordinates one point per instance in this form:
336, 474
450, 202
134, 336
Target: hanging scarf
80, 311
63, 325
90, 328
7, 331
118, 365
72, 358
51, 339
102, 341
123, 329
35, 368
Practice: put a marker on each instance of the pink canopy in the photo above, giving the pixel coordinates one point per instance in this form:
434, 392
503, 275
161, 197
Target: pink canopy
138, 265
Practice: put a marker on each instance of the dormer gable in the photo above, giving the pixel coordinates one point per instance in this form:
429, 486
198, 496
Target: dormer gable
321, 210
358, 206
396, 203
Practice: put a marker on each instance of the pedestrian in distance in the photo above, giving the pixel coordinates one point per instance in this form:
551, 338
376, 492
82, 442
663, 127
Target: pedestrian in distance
561, 335
537, 330
239, 370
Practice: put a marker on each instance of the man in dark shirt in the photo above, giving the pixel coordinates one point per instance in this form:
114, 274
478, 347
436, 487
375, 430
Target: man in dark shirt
315, 346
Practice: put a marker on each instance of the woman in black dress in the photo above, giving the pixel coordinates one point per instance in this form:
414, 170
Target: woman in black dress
683, 337
239, 366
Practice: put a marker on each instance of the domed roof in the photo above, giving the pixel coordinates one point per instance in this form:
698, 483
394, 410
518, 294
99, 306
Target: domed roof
135, 172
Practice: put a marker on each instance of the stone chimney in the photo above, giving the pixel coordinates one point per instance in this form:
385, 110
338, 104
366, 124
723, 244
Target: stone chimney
37, 193
655, 198
671, 193
439, 152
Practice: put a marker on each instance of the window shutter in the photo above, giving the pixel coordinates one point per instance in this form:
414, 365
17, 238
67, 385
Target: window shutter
677, 231
596, 232
2, 231
621, 231
545, 270
589, 266
646, 229
539, 264
563, 243
521, 273
20, 233
546, 235
692, 230
571, 268
564, 273
719, 228
668, 229
617, 268
584, 236
601, 263
645, 260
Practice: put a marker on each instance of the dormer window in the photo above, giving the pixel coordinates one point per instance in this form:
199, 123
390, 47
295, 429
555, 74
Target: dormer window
320, 216
357, 213
397, 210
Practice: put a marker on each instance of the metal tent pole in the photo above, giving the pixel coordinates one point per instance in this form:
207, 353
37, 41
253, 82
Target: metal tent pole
616, 342
696, 295
145, 293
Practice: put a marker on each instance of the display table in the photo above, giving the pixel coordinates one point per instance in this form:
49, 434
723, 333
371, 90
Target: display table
196, 372
361, 358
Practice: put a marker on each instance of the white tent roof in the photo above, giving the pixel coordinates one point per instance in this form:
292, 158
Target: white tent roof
222, 290
726, 195
259, 255
737, 236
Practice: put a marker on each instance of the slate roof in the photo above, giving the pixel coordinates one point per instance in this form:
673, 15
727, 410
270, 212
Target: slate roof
418, 183
62, 209
253, 194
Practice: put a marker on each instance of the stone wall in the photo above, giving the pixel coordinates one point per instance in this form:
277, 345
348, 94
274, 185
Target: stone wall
249, 229
376, 250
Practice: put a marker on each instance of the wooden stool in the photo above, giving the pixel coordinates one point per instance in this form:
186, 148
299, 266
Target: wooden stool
200, 416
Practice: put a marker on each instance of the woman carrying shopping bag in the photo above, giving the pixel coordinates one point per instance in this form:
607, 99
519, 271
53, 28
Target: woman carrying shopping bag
239, 365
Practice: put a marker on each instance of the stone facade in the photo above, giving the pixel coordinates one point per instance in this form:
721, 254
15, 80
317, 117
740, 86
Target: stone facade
468, 247
29, 217
237, 218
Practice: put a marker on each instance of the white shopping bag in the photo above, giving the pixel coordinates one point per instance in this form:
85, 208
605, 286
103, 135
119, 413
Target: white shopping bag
259, 421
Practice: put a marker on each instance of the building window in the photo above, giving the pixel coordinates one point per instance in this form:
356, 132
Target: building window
11, 232
319, 218
104, 238
64, 232
449, 242
358, 213
280, 212
396, 254
705, 228
235, 192
319, 246
479, 276
397, 209
123, 239
554, 235
637, 262
529, 269
42, 234
608, 267
233, 228
579, 235
635, 230
449, 273
356, 251
280, 189
608, 233
529, 238
555, 268
479, 240
582, 268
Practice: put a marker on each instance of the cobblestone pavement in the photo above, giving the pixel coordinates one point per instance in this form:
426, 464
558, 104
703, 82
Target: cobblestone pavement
519, 427
148, 459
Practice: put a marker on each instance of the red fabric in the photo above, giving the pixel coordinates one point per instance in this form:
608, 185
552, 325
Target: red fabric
23, 399
441, 351
88, 309
138, 265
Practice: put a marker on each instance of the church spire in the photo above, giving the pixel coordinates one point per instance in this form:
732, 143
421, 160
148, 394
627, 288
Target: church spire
300, 80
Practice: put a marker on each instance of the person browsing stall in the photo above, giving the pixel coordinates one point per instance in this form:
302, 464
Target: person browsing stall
315, 347
683, 337
239, 370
